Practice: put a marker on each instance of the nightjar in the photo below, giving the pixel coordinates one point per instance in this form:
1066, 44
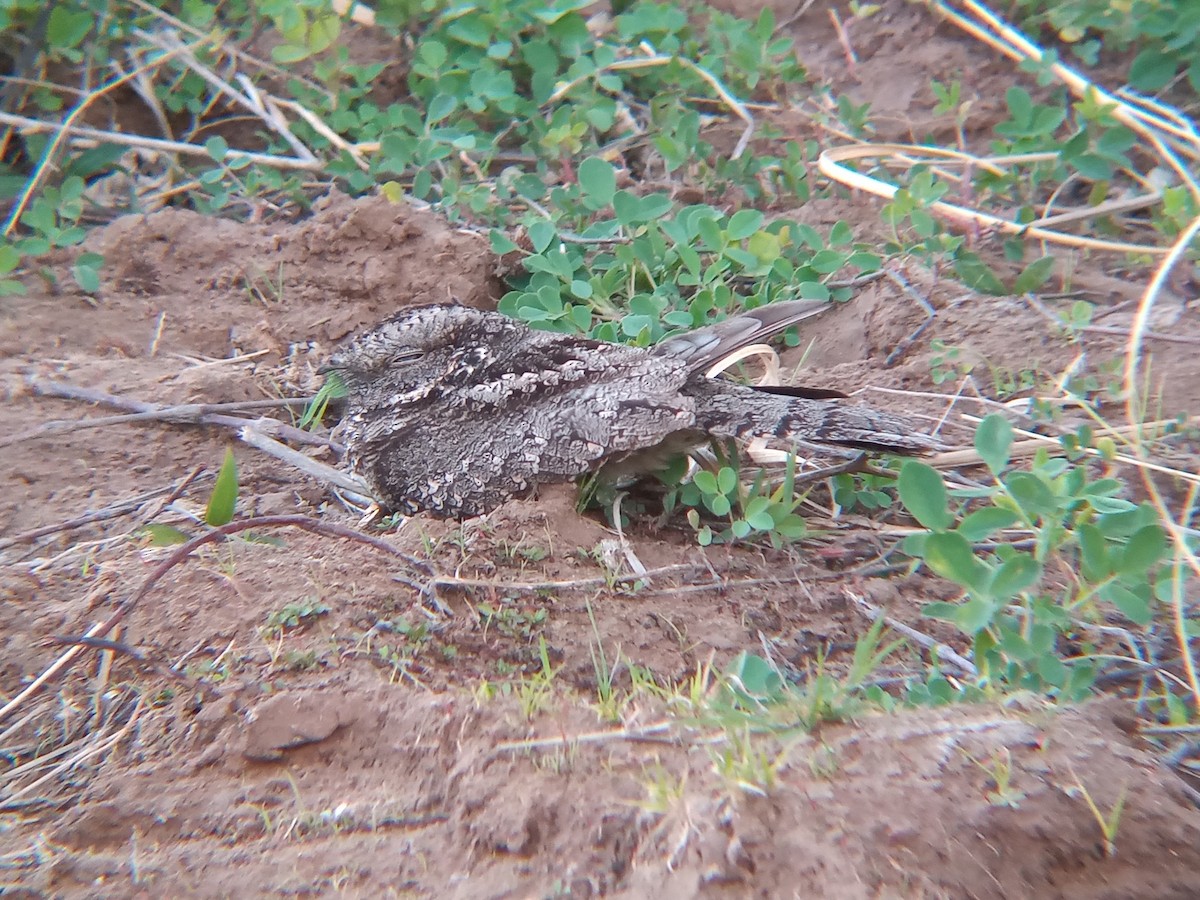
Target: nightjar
453, 410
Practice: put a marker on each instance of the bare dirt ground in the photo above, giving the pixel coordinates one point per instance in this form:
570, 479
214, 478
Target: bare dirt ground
375, 750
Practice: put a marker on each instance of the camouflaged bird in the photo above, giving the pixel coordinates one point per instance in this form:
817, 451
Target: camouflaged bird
452, 410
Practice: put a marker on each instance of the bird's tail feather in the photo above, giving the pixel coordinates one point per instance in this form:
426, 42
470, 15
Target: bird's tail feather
732, 410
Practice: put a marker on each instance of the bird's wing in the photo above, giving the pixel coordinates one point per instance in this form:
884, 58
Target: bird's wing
699, 349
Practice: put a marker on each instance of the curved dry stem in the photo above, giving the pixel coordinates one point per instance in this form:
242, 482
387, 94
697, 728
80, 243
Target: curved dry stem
830, 165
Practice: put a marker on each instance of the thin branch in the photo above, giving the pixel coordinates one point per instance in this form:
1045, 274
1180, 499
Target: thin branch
355, 486
943, 651
112, 511
187, 413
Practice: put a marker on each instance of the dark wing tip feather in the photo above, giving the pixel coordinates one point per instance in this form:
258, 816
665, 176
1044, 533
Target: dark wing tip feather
701, 348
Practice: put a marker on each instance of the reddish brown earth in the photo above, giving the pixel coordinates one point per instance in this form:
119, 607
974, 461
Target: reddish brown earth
381, 749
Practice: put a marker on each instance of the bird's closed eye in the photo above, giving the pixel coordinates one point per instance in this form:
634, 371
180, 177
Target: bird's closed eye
404, 356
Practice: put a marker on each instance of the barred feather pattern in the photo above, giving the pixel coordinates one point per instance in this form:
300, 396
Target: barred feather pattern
452, 410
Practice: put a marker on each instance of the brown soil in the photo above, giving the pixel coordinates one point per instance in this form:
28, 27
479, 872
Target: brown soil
377, 750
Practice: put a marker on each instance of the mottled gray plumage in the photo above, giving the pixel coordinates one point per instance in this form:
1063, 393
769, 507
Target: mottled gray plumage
453, 410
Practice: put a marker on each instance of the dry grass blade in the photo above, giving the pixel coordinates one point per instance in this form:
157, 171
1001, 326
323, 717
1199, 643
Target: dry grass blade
85, 136
52, 765
61, 131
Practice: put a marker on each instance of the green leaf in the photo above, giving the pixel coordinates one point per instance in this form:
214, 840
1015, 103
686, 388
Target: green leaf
1146, 547
1052, 669
947, 612
706, 481
217, 147
923, 494
1152, 69
718, 504
744, 223
163, 535
1015, 575
993, 442
1133, 606
977, 275
66, 27
753, 677
1020, 104
1031, 494
501, 244
87, 278
757, 513
984, 522
628, 207
441, 106
1034, 275
974, 615
710, 233
224, 495
285, 54
323, 32
1093, 553
541, 233
598, 180
949, 555
655, 206
433, 53
727, 479
10, 258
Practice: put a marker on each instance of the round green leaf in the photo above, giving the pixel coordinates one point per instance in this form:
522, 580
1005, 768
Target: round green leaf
1152, 69
706, 481
433, 53
949, 555
217, 147
993, 442
598, 179
718, 504
727, 479
923, 494
501, 244
87, 278
984, 522
285, 54
1132, 605
744, 223
1145, 548
627, 207
541, 233
1015, 574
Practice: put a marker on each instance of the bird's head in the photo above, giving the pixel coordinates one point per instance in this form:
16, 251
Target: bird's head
402, 352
